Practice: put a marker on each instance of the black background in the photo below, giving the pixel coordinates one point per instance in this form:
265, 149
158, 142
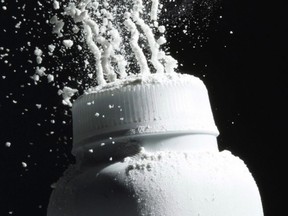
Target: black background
245, 73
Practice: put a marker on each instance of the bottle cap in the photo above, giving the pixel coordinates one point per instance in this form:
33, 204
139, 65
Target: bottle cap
140, 106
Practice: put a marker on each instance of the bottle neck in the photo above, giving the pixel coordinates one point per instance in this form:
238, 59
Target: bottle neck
183, 142
116, 150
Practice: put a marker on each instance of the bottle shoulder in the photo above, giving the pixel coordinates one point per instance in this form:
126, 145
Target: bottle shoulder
144, 162
163, 183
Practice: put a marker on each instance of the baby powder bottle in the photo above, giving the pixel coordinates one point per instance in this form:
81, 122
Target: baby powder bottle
147, 146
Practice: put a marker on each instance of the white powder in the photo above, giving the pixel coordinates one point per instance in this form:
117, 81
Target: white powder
24, 164
51, 48
154, 9
105, 61
161, 29
58, 25
120, 36
68, 43
8, 144
147, 80
170, 64
154, 47
104, 35
141, 59
79, 47
75, 29
161, 40
50, 78
36, 78
56, 5
90, 150
203, 174
40, 71
18, 25
96, 53
38, 52
67, 93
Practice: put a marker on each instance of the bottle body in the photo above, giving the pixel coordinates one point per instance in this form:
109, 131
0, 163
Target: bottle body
159, 182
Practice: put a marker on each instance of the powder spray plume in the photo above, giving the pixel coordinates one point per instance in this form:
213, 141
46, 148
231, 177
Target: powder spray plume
119, 38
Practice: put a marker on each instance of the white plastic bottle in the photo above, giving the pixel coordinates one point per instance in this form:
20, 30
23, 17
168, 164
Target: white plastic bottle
148, 147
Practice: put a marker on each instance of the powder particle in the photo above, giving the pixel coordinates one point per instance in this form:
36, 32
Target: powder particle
91, 150
75, 29
24, 164
8, 144
161, 29
51, 48
67, 93
38, 52
161, 40
56, 5
50, 78
39, 60
40, 71
58, 25
18, 24
68, 43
